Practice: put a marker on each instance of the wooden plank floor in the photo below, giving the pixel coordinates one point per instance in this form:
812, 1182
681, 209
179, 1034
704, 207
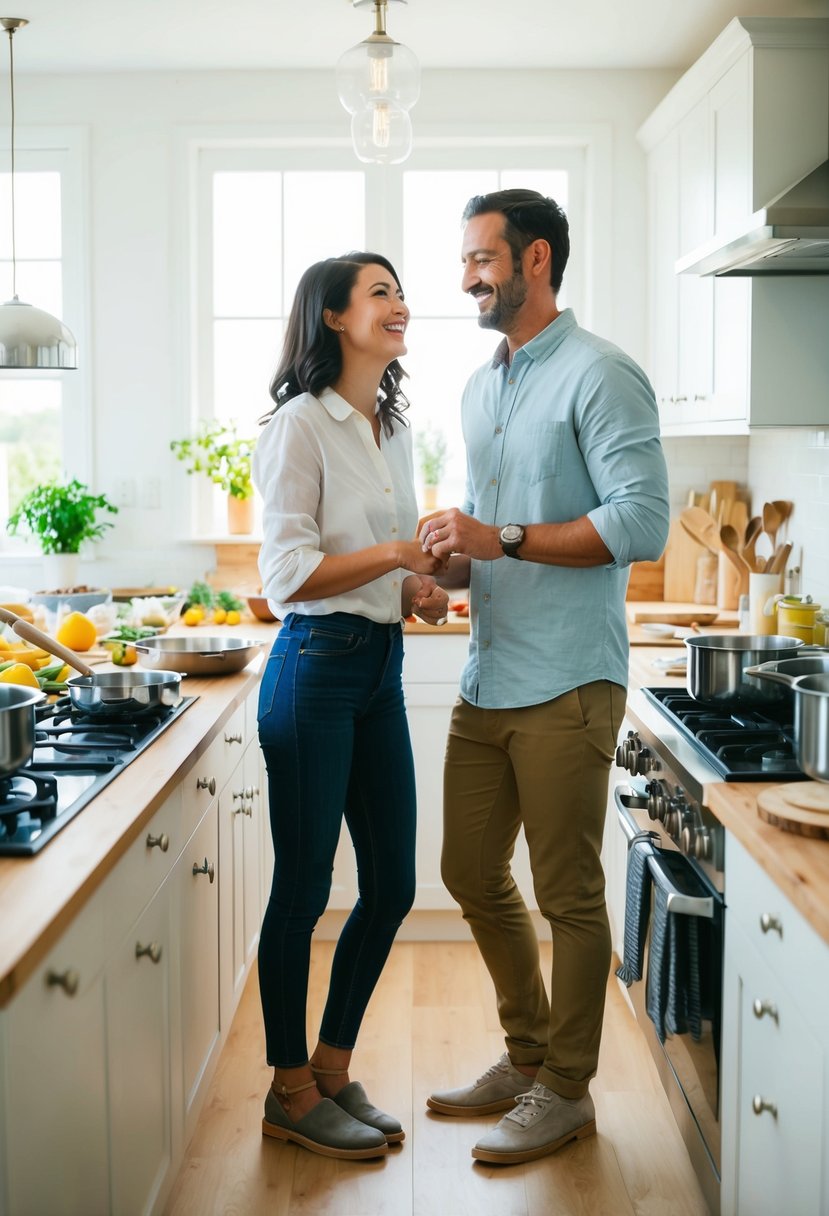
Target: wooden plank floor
432, 1024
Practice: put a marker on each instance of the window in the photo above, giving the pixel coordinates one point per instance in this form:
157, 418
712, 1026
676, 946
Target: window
40, 429
265, 214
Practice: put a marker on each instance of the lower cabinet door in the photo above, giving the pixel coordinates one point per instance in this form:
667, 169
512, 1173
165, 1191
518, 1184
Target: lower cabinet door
138, 1050
196, 892
54, 1121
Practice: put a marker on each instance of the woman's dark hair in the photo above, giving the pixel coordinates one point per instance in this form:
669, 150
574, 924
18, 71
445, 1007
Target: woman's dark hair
311, 358
529, 217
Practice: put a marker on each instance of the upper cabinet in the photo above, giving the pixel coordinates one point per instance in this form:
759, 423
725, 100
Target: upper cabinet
749, 119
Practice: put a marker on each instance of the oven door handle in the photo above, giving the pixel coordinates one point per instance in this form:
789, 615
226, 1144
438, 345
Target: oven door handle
679, 901
626, 821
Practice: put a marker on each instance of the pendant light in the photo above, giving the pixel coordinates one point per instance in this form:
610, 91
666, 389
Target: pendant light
378, 82
29, 337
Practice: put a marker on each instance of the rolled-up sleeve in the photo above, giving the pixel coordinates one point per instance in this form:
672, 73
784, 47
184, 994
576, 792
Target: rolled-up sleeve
287, 472
617, 423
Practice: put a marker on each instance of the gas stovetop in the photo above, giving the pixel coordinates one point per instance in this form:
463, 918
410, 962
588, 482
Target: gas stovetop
739, 744
74, 757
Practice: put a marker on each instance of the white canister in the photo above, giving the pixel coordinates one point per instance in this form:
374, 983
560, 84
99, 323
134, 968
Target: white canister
762, 605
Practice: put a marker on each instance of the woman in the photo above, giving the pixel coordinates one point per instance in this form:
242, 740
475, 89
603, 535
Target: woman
334, 467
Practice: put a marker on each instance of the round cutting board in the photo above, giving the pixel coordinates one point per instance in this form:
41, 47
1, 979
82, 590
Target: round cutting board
802, 807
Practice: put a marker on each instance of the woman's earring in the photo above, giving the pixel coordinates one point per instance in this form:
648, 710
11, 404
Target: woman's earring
342, 329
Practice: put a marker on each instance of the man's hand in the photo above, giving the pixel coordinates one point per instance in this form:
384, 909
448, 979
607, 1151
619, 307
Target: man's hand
451, 531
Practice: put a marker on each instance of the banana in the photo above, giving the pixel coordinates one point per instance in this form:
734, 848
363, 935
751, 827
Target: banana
20, 610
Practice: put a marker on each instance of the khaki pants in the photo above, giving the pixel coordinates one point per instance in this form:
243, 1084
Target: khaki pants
544, 767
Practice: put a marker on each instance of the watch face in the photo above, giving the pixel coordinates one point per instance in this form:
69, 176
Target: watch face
512, 533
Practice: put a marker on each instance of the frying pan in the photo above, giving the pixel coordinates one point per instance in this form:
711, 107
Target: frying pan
197, 656
105, 693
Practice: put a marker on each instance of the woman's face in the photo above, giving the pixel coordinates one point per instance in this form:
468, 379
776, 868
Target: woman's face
375, 321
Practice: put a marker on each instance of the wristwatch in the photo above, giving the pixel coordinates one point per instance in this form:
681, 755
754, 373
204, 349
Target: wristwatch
511, 537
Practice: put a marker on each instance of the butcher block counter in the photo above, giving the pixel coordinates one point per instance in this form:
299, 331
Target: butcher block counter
40, 895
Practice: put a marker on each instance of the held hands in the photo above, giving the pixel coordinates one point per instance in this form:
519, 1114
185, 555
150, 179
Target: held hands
413, 556
451, 531
430, 602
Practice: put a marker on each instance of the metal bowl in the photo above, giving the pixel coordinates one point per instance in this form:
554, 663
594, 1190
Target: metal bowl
197, 656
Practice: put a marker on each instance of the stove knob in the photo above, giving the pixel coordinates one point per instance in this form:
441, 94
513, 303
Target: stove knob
702, 844
673, 822
686, 840
657, 800
646, 762
624, 749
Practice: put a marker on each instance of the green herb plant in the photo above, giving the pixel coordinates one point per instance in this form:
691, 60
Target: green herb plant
432, 450
61, 516
218, 451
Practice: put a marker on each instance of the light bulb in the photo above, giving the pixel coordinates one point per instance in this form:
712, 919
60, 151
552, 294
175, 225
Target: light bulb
381, 134
378, 69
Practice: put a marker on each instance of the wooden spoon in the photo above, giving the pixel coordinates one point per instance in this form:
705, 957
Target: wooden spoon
772, 519
781, 556
732, 546
702, 527
784, 509
753, 530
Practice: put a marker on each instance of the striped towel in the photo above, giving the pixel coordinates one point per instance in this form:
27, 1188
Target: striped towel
673, 996
637, 907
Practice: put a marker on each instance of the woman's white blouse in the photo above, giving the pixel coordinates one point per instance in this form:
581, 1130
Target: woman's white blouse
327, 488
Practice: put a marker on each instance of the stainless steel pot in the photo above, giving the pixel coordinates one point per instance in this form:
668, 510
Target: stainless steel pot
716, 672
17, 725
114, 693
811, 714
197, 656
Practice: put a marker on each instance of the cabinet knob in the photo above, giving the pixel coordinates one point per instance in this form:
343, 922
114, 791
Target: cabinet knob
158, 842
678, 400
206, 867
68, 980
770, 924
759, 1104
700, 397
766, 1008
204, 783
152, 951
233, 738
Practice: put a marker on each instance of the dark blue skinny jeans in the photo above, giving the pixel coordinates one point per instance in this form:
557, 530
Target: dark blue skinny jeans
334, 733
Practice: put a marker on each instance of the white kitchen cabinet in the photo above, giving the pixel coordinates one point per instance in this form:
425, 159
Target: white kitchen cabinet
775, 1053
744, 123
240, 820
138, 1026
54, 1100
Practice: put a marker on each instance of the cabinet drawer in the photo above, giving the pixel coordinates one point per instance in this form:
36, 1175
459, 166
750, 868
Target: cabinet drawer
143, 868
782, 938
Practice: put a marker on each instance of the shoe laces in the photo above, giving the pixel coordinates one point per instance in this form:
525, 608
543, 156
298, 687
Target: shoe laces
531, 1105
502, 1065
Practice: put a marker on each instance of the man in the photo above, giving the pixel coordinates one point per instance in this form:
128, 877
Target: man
566, 487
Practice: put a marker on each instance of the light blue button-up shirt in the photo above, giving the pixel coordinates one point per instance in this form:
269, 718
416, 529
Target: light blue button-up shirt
568, 428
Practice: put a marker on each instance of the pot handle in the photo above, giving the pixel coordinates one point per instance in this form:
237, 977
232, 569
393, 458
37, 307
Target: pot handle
768, 671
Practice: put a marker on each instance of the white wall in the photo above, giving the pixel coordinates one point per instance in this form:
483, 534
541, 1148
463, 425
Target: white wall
138, 352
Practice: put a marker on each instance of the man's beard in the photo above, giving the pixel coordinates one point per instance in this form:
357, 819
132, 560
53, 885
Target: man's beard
506, 302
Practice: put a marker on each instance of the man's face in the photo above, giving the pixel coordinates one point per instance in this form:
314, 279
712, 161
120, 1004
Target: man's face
489, 274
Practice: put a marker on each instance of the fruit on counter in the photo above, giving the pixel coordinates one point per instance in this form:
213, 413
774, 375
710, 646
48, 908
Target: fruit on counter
77, 632
20, 610
18, 673
124, 655
459, 607
233, 617
193, 616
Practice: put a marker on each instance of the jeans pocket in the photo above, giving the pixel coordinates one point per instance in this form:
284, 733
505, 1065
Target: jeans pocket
329, 643
270, 679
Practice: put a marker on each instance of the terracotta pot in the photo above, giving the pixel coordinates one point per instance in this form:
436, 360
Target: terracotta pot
240, 512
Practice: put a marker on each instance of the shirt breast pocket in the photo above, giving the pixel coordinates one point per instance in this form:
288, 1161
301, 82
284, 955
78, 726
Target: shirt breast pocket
542, 452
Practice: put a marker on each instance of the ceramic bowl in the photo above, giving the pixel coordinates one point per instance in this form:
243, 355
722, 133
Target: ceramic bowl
76, 601
258, 605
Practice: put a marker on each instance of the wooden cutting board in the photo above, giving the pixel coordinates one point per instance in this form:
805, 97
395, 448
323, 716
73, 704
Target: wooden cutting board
681, 555
680, 613
802, 808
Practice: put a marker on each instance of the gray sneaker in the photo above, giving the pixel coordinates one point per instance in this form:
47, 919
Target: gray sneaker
542, 1122
496, 1090
326, 1129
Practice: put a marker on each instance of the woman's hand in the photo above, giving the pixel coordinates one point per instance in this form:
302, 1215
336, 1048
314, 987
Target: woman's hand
451, 531
429, 601
412, 556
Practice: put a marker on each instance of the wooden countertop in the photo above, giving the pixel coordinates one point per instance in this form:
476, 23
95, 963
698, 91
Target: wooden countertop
40, 895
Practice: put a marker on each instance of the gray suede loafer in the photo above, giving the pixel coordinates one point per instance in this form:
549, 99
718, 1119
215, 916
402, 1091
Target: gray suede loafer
353, 1099
496, 1090
327, 1130
541, 1123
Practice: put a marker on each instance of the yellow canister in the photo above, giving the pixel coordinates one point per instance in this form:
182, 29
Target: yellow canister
798, 617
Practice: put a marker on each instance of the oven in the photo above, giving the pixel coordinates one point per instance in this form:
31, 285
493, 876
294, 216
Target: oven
676, 889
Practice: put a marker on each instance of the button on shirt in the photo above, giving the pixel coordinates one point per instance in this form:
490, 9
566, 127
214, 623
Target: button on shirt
568, 428
327, 489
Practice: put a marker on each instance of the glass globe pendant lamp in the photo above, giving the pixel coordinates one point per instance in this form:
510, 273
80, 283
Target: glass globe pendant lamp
378, 82
29, 337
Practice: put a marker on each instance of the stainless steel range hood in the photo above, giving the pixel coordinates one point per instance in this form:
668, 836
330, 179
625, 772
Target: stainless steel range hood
788, 237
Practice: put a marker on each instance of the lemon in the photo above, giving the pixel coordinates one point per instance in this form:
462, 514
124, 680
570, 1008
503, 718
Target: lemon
124, 655
192, 616
233, 617
77, 632
19, 673
219, 616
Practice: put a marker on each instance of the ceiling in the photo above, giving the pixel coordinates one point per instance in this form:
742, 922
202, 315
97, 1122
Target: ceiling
192, 35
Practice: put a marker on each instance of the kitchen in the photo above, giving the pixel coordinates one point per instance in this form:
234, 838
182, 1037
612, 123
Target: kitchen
132, 126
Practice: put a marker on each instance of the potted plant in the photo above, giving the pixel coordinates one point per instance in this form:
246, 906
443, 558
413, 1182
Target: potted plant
432, 450
222, 455
61, 516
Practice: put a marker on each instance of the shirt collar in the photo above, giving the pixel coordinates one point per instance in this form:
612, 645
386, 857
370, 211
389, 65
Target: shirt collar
543, 344
337, 406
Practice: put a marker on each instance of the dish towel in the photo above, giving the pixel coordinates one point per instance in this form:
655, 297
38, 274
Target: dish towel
673, 996
637, 907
